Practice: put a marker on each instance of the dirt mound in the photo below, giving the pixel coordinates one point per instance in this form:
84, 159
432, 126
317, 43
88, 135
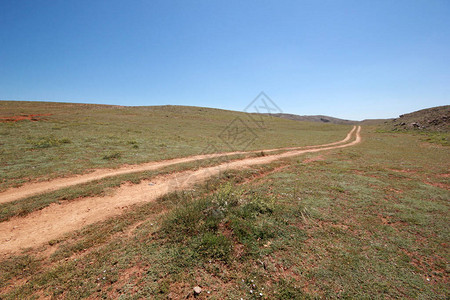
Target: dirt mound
33, 118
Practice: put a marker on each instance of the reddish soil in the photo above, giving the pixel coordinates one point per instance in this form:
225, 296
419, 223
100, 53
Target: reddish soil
404, 171
33, 118
439, 185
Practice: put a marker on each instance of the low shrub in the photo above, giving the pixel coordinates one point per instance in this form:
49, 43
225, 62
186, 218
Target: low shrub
47, 142
112, 156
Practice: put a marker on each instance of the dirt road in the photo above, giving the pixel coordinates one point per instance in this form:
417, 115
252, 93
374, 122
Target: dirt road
31, 189
57, 219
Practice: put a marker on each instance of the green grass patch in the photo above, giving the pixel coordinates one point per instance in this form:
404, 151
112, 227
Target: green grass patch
434, 137
47, 142
79, 137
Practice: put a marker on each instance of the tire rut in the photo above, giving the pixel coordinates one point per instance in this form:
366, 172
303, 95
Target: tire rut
32, 189
58, 219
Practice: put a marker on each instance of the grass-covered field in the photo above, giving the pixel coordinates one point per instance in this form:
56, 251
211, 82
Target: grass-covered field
370, 221
77, 137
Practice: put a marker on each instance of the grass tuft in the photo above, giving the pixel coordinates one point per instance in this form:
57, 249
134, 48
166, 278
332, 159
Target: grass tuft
112, 156
47, 142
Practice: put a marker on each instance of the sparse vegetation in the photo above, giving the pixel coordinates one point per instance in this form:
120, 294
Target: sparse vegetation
112, 156
434, 137
47, 142
435, 119
371, 220
78, 137
25, 206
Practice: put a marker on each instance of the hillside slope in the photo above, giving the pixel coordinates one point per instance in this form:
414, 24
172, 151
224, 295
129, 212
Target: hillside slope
431, 119
47, 140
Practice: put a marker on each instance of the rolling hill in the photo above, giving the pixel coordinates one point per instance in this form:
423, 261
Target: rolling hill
317, 118
430, 119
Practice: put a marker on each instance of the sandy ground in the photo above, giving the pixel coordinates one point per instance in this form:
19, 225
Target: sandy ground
58, 219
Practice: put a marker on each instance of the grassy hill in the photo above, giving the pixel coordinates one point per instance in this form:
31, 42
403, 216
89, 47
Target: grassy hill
430, 119
431, 124
63, 138
367, 221
318, 118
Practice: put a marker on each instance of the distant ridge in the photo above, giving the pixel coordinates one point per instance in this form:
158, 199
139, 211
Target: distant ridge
432, 119
318, 118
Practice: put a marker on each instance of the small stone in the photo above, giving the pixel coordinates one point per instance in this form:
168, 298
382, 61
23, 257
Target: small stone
197, 290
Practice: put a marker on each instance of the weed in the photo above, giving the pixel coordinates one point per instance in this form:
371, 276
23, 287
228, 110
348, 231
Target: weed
133, 144
287, 290
47, 142
19, 266
213, 245
435, 137
438, 138
260, 154
112, 156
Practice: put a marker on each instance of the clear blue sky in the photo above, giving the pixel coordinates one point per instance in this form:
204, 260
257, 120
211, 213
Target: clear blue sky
351, 59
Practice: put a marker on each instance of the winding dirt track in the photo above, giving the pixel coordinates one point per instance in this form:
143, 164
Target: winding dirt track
57, 219
32, 189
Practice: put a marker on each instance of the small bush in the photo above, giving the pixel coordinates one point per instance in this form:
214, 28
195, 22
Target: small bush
133, 144
438, 138
256, 206
184, 221
47, 142
259, 154
112, 156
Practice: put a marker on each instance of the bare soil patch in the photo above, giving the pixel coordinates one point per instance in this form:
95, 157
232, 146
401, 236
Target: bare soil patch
33, 118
